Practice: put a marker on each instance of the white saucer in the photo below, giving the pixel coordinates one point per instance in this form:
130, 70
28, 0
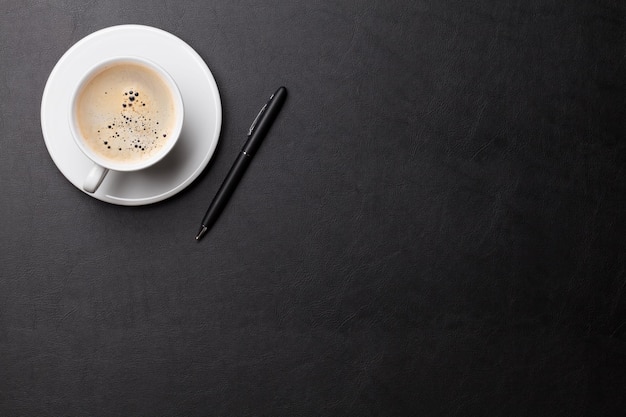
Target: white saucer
201, 128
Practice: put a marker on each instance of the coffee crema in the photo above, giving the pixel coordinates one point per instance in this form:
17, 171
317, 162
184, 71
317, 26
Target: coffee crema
125, 113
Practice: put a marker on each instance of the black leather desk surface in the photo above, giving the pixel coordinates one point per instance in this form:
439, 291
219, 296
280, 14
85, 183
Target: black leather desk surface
434, 226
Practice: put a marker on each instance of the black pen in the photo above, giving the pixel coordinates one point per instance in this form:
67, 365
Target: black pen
259, 128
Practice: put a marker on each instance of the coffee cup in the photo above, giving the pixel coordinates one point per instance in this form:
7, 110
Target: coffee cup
126, 114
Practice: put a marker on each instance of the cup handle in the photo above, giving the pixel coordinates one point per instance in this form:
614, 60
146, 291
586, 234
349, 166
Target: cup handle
94, 179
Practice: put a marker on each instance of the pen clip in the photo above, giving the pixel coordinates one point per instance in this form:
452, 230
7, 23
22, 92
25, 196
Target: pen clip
258, 116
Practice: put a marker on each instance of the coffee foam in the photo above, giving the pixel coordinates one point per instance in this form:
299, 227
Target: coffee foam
125, 113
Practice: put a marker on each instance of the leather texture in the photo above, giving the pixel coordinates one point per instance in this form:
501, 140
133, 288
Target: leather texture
433, 226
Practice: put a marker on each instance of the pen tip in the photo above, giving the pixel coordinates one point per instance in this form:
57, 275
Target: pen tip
201, 233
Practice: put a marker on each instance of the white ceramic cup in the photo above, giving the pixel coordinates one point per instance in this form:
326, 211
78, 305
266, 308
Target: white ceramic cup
102, 165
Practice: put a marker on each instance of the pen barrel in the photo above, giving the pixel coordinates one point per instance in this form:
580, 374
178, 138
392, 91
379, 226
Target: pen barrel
226, 189
258, 130
265, 121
